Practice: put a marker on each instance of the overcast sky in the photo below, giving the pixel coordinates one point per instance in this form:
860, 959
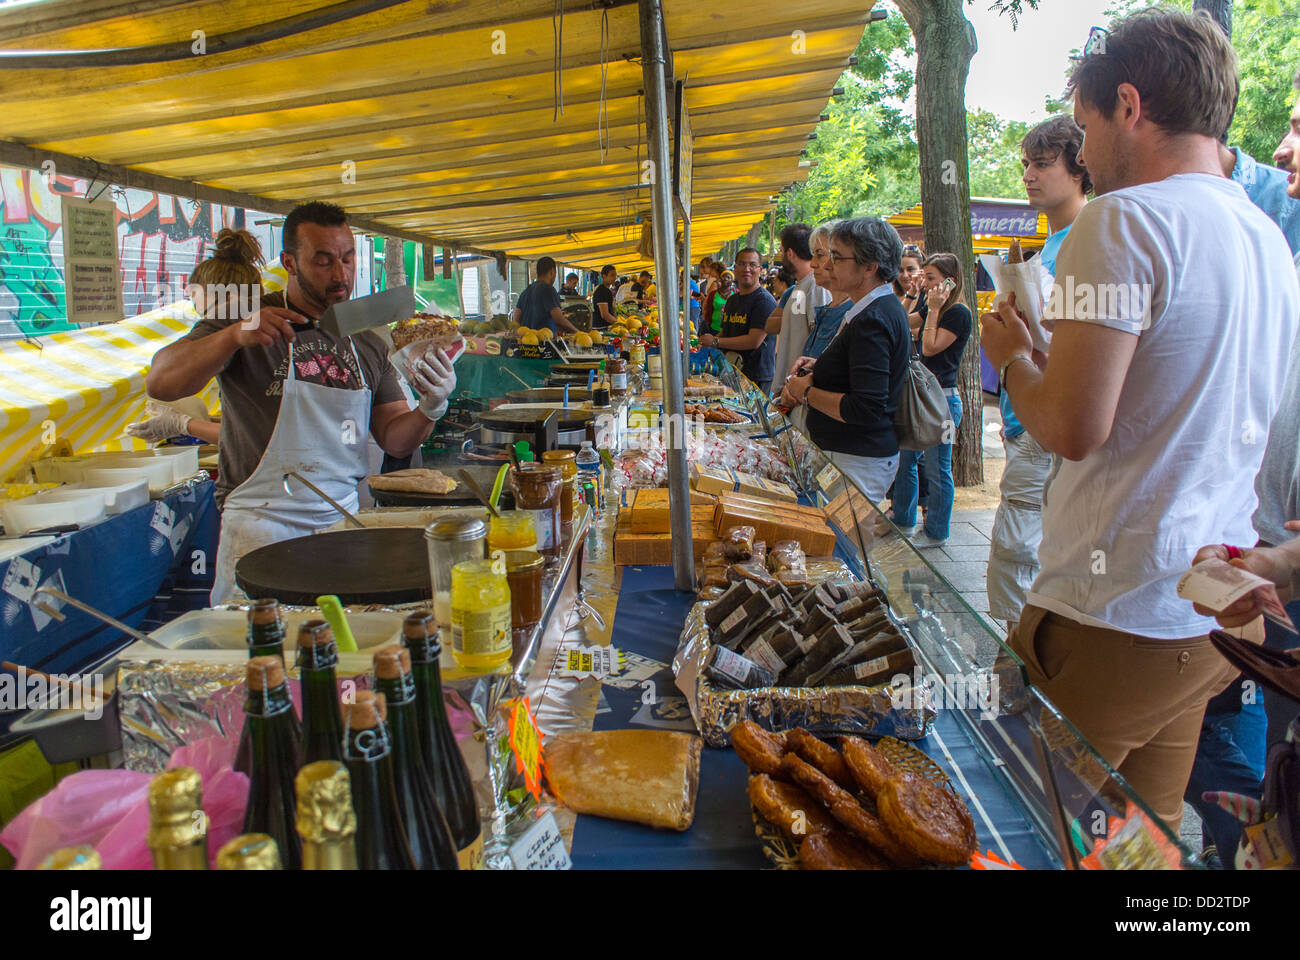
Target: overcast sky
1013, 70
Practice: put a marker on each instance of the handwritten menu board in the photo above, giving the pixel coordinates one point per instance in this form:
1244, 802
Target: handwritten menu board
92, 275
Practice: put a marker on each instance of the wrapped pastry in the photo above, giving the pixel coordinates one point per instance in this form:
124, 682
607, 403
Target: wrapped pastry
646, 776
738, 543
737, 623
751, 570
776, 648
788, 562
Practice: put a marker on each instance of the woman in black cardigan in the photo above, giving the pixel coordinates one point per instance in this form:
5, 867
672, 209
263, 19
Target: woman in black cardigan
853, 388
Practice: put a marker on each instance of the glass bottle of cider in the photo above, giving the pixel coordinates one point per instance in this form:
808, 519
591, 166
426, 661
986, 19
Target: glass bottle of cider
178, 828
322, 724
265, 638
426, 829
249, 851
327, 823
452, 788
273, 756
381, 838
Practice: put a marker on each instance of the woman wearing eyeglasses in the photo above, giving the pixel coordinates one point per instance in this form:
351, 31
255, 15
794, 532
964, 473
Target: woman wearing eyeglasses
853, 388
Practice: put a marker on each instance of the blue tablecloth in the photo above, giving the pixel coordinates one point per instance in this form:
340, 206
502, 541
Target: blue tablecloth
142, 567
647, 622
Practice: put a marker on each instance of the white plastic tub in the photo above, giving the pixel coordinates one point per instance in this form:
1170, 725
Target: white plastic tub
157, 472
53, 509
118, 497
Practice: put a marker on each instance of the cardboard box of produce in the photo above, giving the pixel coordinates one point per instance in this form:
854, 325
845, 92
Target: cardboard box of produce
633, 548
721, 480
648, 510
773, 522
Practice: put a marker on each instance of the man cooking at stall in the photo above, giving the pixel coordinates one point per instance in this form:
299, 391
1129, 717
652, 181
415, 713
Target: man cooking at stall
296, 398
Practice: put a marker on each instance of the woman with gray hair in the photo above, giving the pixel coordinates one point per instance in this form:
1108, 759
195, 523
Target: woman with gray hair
853, 388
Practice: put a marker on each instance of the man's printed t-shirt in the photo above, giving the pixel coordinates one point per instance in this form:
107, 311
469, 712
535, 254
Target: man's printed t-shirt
1205, 282
252, 383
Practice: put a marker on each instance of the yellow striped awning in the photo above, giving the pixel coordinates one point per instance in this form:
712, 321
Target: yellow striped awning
76, 392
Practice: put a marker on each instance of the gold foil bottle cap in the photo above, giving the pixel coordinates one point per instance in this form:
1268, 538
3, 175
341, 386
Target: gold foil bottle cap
392, 662
176, 809
420, 624
264, 673
73, 858
314, 633
249, 851
263, 612
367, 710
325, 813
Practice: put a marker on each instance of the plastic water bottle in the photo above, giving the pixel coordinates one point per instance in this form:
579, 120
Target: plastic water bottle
589, 470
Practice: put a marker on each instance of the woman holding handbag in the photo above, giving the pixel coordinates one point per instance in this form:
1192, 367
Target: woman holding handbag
853, 388
945, 328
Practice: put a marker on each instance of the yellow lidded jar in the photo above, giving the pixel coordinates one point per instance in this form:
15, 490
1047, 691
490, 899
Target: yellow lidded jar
512, 530
480, 615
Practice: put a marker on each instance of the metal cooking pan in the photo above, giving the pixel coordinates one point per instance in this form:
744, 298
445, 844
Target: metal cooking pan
549, 395
387, 565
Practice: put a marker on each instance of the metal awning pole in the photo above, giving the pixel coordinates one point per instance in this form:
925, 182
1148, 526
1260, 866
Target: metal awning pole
656, 111
686, 296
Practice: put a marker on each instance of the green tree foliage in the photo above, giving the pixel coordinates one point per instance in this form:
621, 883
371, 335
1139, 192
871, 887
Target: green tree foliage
1266, 36
994, 155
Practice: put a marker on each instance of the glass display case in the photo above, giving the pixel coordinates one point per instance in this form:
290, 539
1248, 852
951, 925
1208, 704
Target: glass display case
1081, 810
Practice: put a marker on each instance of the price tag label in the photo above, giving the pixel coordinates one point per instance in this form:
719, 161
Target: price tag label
541, 848
827, 478
526, 745
589, 662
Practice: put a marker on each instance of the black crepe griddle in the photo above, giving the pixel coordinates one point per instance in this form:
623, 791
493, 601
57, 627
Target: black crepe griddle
569, 379
567, 369
549, 394
387, 565
485, 475
525, 420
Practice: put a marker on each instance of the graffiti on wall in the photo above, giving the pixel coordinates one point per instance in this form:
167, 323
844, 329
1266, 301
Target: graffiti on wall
161, 239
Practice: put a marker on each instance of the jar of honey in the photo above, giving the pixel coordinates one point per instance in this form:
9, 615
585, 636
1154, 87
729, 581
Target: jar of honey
616, 368
536, 487
567, 461
512, 530
524, 574
480, 614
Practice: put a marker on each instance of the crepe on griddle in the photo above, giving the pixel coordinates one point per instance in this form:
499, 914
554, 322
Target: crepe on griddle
413, 481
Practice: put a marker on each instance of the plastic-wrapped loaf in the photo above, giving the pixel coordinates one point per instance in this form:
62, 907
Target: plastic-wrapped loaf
776, 613
751, 570
738, 543
871, 672
732, 629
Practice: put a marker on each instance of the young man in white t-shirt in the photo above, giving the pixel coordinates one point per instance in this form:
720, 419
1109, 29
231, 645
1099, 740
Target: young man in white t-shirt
1173, 316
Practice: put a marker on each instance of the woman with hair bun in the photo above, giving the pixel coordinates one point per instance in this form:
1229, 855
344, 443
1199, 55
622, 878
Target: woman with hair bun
227, 284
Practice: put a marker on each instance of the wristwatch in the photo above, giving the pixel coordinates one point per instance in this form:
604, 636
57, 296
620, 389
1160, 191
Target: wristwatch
1002, 373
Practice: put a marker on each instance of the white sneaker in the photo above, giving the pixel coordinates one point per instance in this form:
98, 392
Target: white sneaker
924, 541
909, 531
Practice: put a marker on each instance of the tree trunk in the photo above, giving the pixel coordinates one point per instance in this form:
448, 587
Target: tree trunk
394, 263
1219, 10
945, 43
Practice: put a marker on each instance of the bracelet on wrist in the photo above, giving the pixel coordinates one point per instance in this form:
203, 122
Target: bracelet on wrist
1002, 374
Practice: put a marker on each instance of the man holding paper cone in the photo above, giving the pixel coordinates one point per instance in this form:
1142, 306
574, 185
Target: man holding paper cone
1145, 396
1057, 185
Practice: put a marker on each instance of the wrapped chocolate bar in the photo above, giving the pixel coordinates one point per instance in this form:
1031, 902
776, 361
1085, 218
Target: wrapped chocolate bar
738, 543
776, 648
819, 595
777, 613
732, 670
847, 611
831, 643
873, 672
862, 650
736, 624
816, 620
736, 595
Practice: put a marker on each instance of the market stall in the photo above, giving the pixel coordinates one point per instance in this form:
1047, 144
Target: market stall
608, 646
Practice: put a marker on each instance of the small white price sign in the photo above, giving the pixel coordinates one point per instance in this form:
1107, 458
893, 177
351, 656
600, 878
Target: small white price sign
541, 848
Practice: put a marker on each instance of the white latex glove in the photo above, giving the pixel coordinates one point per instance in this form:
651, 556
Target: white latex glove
434, 378
162, 423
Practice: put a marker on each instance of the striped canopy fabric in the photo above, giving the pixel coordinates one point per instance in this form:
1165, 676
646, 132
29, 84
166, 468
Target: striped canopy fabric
76, 392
